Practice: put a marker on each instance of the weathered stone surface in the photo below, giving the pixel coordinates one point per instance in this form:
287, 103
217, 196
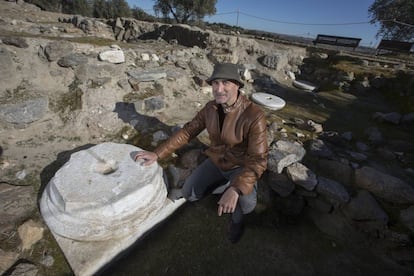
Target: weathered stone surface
276, 61
15, 41
16, 202
154, 103
7, 67
283, 154
57, 49
302, 176
364, 207
24, 112
112, 56
7, 259
279, 183
383, 185
186, 35
332, 190
336, 225
148, 75
25, 269
105, 199
336, 170
374, 135
318, 147
101, 201
72, 60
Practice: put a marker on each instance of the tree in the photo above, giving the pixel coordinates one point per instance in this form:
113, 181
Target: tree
81, 7
140, 14
47, 5
110, 9
396, 18
120, 8
184, 10
99, 9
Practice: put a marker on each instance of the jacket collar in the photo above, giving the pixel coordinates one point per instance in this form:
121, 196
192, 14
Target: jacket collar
239, 101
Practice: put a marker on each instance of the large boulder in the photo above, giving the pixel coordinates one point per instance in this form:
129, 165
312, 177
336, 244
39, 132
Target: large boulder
383, 185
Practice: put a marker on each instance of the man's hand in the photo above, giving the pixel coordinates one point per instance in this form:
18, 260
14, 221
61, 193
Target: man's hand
228, 201
149, 157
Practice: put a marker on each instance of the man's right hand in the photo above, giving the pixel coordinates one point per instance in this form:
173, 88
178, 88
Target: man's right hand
149, 157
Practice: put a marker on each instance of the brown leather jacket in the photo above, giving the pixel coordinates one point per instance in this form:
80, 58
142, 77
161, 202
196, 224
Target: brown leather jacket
241, 143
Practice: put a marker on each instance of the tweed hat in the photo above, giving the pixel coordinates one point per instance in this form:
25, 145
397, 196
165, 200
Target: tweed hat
226, 71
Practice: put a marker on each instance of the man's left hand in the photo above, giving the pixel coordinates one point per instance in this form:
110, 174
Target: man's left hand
228, 201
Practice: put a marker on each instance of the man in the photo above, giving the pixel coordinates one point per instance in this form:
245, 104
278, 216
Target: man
237, 153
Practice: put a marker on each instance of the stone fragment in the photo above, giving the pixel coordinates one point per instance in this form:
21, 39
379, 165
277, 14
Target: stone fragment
283, 154
30, 232
57, 49
72, 60
112, 56
24, 112
7, 259
302, 176
317, 147
25, 269
275, 61
16, 202
148, 75
332, 191
19, 42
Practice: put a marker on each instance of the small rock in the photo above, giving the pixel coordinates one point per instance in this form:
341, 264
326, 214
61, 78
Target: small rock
25, 269
112, 56
30, 232
7, 259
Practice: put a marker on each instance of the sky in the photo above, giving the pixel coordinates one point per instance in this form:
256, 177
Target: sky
306, 18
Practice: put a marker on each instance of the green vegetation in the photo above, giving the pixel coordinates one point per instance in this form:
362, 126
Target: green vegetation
18, 93
96, 8
148, 92
68, 102
184, 10
395, 18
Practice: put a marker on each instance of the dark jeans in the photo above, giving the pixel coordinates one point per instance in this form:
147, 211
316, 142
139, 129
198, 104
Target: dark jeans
207, 177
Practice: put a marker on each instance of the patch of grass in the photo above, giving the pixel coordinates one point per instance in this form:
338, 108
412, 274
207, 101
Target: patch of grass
148, 92
18, 94
69, 102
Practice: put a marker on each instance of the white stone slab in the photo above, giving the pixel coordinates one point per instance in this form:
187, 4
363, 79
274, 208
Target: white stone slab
101, 201
304, 85
112, 56
87, 258
268, 100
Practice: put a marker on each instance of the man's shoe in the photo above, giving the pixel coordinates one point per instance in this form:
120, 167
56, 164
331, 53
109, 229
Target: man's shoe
235, 231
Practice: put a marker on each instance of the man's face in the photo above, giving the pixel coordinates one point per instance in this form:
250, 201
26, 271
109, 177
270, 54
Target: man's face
224, 91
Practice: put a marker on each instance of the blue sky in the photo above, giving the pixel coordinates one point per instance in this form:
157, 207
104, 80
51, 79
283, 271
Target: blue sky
305, 18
